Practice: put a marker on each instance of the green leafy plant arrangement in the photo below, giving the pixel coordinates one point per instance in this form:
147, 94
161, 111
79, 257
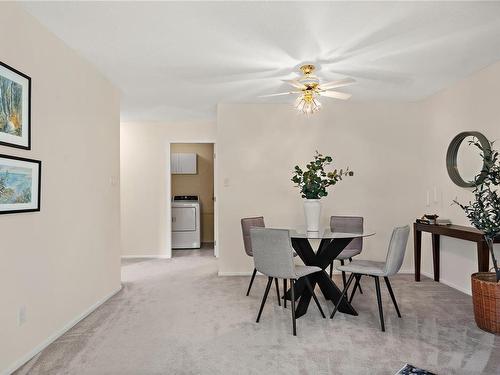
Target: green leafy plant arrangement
314, 180
484, 211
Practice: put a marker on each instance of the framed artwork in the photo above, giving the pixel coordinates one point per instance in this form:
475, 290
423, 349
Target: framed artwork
20, 181
15, 108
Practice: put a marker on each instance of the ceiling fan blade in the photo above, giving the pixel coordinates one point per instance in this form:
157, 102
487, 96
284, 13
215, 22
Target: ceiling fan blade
337, 83
279, 94
335, 94
295, 83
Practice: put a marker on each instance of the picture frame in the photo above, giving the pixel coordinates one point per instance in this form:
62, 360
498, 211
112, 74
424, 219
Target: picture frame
15, 108
20, 184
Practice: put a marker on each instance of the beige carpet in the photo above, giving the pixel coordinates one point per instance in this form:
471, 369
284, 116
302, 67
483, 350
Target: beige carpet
177, 317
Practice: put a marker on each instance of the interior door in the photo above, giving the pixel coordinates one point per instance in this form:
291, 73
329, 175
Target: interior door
183, 219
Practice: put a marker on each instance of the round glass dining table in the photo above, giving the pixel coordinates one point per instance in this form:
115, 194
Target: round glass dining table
330, 246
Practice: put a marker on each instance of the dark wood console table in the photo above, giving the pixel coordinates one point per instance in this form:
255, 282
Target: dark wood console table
455, 231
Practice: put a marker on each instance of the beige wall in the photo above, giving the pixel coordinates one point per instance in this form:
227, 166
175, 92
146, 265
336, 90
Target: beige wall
471, 104
201, 184
145, 182
64, 260
259, 144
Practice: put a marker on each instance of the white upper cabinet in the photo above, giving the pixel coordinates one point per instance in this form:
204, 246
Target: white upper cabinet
183, 163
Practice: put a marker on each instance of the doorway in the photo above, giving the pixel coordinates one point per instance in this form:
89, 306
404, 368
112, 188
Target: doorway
192, 211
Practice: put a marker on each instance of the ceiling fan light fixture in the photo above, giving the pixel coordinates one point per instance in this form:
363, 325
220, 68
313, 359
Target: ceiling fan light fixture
310, 88
307, 103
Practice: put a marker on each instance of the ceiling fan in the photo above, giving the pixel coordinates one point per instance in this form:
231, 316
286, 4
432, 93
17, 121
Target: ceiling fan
310, 89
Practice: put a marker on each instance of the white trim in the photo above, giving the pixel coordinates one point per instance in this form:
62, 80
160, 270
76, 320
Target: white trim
53, 337
168, 194
156, 256
242, 273
446, 282
407, 271
249, 273
216, 201
402, 271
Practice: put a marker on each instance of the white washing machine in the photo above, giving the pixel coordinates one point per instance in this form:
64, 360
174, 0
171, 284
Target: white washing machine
186, 212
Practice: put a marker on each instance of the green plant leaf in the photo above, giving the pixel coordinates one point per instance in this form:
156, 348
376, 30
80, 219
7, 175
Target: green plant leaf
314, 180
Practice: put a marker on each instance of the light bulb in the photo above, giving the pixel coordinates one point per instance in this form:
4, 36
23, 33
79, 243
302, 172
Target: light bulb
307, 103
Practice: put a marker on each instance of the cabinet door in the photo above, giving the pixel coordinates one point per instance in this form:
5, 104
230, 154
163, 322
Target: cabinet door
174, 163
188, 163
183, 219
183, 163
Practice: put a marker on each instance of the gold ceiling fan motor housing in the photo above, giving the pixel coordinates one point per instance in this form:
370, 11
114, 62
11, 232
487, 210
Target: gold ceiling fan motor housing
309, 80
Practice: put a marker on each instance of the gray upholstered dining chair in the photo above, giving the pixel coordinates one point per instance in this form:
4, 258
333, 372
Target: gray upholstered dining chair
273, 257
347, 224
391, 266
246, 224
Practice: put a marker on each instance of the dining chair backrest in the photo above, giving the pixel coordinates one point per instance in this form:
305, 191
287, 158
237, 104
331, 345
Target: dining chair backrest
397, 248
273, 252
349, 224
246, 224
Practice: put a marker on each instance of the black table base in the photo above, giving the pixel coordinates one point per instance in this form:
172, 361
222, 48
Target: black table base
328, 250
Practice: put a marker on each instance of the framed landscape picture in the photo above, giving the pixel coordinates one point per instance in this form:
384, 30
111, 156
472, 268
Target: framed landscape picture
15, 108
20, 181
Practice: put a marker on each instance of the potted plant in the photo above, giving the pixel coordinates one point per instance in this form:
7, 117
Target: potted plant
484, 214
313, 182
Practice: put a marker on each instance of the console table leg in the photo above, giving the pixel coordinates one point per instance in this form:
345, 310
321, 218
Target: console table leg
483, 256
435, 255
417, 244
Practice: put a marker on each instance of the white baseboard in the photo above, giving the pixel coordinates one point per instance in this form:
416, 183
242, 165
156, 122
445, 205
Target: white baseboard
446, 282
249, 273
53, 337
243, 273
402, 271
407, 271
161, 256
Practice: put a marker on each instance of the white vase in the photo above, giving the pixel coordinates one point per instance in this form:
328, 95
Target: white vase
312, 210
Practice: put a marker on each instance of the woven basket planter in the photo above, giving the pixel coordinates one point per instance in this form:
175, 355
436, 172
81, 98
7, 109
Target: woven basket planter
486, 301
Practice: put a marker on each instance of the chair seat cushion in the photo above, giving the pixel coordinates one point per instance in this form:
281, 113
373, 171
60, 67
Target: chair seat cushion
348, 253
301, 271
366, 267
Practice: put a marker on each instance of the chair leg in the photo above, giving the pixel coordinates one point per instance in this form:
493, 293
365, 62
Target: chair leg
359, 286
356, 285
292, 291
284, 292
269, 282
311, 290
251, 280
343, 273
379, 300
351, 277
392, 295
331, 269
277, 291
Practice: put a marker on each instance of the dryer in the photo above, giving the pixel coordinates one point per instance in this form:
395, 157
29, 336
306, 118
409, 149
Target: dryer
186, 212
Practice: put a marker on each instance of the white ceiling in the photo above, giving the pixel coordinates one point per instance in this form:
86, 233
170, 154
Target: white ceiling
176, 61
